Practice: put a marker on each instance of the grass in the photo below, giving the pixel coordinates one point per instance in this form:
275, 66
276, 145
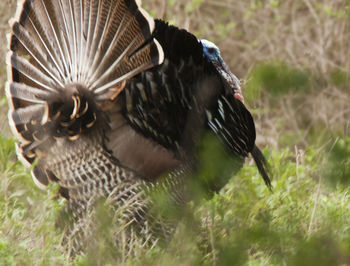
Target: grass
27, 214
304, 221
293, 58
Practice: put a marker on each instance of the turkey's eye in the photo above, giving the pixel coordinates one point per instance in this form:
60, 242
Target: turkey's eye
211, 50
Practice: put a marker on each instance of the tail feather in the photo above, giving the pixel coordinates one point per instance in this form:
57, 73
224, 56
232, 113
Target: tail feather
66, 59
36, 20
90, 20
119, 46
63, 39
97, 31
29, 71
40, 177
26, 93
36, 52
262, 165
28, 114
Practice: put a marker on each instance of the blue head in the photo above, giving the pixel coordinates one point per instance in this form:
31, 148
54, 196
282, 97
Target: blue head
212, 53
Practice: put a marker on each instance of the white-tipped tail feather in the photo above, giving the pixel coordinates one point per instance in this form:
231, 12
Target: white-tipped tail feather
66, 58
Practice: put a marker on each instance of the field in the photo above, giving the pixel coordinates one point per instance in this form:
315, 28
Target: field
293, 58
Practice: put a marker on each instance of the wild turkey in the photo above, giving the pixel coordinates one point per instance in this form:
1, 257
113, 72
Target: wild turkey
169, 107
94, 102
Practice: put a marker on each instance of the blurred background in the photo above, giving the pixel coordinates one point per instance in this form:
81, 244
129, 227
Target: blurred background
293, 59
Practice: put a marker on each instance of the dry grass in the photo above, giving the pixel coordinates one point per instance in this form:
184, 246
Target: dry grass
302, 33
7, 10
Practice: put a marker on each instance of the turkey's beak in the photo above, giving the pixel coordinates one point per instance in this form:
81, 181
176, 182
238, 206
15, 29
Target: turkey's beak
230, 78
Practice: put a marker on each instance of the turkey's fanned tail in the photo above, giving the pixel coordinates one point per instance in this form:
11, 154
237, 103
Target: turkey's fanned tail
68, 61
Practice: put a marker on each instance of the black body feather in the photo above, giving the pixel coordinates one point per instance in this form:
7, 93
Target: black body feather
176, 103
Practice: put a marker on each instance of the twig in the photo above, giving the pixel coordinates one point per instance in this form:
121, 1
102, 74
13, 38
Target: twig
212, 244
315, 207
221, 4
313, 12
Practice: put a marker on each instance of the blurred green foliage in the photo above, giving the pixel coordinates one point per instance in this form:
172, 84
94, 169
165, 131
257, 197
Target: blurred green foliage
337, 170
215, 168
302, 222
340, 78
275, 78
192, 5
27, 215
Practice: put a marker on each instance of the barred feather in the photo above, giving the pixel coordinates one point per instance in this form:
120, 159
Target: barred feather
67, 59
89, 172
